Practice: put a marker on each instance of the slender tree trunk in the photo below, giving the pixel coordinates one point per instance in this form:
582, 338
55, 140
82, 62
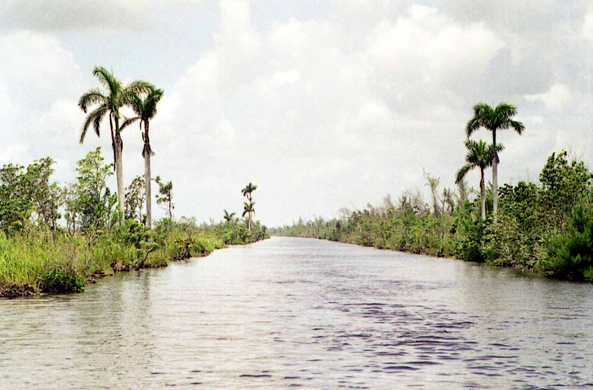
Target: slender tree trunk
494, 178
147, 176
148, 188
119, 172
483, 194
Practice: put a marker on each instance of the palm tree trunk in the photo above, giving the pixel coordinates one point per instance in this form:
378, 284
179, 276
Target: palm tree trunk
483, 194
147, 182
119, 172
494, 178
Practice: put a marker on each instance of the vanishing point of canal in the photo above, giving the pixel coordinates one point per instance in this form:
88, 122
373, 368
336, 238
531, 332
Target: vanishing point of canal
298, 312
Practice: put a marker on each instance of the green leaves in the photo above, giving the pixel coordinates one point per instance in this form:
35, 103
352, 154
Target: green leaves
570, 255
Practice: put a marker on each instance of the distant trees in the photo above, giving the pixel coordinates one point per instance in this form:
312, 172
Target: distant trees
165, 195
249, 206
493, 119
28, 196
228, 217
135, 199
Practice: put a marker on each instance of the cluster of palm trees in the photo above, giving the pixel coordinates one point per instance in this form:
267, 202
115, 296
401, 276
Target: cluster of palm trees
142, 97
482, 155
249, 206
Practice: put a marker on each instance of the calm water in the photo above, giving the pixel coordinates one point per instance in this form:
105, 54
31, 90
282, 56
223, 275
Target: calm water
295, 312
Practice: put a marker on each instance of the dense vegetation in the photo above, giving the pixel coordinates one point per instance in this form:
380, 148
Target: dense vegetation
38, 254
546, 227
56, 239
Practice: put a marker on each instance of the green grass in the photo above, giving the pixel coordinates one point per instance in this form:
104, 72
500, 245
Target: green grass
44, 261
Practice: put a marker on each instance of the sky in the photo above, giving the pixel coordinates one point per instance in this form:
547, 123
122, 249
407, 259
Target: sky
323, 104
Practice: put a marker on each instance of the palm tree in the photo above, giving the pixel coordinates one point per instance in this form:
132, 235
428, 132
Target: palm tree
492, 119
248, 209
228, 217
145, 109
247, 191
110, 99
480, 155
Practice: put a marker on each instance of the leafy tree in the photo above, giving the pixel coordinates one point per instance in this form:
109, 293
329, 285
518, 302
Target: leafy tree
480, 155
135, 199
165, 195
94, 202
45, 196
564, 184
493, 119
110, 99
15, 202
145, 109
28, 196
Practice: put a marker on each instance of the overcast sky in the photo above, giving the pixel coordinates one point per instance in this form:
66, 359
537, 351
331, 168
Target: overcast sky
322, 104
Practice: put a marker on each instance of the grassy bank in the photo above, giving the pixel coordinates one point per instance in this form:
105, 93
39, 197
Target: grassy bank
45, 261
57, 238
544, 227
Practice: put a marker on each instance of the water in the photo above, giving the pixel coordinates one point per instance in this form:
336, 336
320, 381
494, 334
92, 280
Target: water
295, 312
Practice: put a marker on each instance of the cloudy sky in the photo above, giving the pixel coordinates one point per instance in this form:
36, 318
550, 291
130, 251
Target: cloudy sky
321, 103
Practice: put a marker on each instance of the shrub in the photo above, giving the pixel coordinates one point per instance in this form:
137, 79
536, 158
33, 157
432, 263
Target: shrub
570, 255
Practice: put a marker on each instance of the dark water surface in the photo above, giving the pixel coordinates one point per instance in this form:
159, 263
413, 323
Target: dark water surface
294, 312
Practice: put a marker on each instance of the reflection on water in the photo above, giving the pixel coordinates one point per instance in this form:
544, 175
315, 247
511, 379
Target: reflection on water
294, 312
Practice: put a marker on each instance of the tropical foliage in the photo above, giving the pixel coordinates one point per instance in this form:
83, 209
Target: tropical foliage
544, 227
37, 254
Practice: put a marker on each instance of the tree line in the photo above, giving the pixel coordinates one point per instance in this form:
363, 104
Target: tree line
545, 227
58, 238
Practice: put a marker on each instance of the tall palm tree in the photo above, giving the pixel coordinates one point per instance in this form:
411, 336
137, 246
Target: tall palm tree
113, 96
248, 209
248, 190
492, 119
145, 109
480, 155
228, 217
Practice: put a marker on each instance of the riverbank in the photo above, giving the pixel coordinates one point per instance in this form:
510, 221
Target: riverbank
44, 261
544, 227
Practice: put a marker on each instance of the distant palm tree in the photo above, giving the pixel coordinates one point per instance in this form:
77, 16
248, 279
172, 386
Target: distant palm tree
480, 155
248, 209
492, 119
110, 99
248, 190
228, 217
145, 109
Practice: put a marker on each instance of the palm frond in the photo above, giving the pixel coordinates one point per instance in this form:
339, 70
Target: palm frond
91, 97
127, 122
462, 172
93, 118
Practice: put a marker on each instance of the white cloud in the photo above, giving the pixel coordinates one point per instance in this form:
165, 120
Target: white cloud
556, 98
588, 25
329, 111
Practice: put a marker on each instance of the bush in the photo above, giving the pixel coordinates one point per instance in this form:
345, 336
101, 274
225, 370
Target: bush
570, 255
62, 279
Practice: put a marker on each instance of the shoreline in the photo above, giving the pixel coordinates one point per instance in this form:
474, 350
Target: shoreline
522, 271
